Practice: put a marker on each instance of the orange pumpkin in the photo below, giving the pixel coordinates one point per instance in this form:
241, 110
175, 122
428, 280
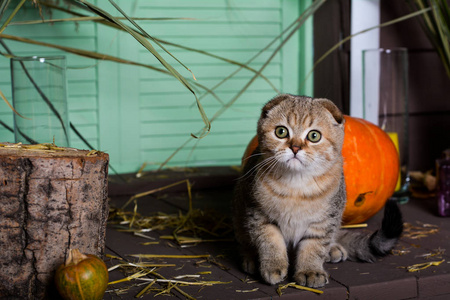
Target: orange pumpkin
82, 277
371, 168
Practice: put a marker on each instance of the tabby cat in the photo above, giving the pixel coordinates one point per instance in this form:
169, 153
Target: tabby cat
289, 201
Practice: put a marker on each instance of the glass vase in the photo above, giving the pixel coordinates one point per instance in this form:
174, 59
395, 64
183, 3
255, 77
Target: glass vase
385, 99
40, 96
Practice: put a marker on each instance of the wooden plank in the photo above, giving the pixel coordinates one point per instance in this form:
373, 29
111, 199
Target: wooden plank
86, 73
434, 285
83, 103
220, 71
189, 114
168, 86
255, 99
251, 4
395, 289
213, 140
199, 157
305, 86
216, 43
194, 58
186, 127
205, 14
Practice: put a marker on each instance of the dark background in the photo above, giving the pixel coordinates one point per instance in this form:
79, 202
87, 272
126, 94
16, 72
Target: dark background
429, 85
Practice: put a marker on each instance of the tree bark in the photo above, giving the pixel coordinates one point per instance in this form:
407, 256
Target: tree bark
50, 201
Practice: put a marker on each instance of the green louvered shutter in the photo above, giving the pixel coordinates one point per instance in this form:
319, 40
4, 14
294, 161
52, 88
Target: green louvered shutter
139, 115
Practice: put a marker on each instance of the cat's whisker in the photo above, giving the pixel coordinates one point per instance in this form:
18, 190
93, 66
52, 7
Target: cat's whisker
279, 166
265, 163
273, 164
256, 167
253, 155
260, 166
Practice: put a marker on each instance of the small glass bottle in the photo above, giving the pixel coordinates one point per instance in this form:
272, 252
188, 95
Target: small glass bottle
443, 186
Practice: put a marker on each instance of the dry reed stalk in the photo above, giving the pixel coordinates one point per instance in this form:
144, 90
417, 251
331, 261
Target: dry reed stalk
140, 265
247, 291
299, 287
419, 231
183, 282
422, 266
192, 240
140, 195
352, 226
436, 252
169, 256
36, 147
131, 277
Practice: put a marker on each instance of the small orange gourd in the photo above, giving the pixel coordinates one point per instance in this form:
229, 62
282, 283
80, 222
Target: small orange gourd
82, 276
371, 168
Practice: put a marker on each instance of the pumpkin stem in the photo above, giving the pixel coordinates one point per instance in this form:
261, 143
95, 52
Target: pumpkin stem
74, 257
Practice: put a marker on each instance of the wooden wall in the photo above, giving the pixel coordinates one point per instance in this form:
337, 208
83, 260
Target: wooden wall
429, 86
332, 75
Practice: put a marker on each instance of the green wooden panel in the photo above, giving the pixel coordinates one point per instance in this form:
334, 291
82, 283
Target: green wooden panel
219, 4
254, 43
219, 14
139, 115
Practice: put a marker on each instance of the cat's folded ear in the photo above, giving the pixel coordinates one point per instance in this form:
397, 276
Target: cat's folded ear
332, 108
272, 103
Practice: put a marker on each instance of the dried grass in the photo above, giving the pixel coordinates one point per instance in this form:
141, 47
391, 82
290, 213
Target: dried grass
197, 226
299, 287
422, 266
420, 230
37, 147
435, 253
148, 272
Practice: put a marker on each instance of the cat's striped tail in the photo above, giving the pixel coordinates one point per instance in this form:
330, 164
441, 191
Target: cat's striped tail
369, 247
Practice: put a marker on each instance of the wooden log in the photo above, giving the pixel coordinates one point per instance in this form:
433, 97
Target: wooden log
51, 200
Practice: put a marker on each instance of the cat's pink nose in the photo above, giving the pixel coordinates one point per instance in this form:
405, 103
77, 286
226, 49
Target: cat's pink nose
295, 149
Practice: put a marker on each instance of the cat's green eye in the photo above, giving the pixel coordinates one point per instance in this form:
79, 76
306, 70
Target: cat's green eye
281, 132
314, 136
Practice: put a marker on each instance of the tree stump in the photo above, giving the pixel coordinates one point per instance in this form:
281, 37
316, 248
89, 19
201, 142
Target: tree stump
51, 200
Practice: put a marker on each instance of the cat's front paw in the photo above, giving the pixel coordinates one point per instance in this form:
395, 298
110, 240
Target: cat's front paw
311, 278
337, 254
274, 271
248, 265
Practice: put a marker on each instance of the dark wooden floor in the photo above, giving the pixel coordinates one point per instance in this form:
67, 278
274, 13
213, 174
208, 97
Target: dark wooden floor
388, 278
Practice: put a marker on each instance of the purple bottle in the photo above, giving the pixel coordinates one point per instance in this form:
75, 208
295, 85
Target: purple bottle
443, 187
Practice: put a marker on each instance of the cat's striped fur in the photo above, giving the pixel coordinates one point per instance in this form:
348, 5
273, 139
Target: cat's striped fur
291, 196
